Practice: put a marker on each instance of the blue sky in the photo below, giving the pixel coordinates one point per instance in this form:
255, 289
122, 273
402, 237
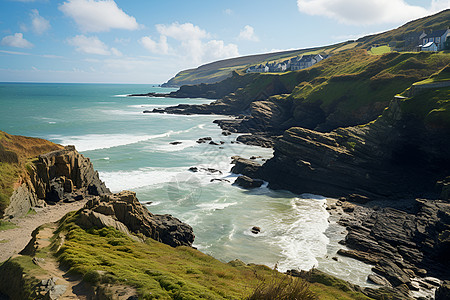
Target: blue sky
149, 41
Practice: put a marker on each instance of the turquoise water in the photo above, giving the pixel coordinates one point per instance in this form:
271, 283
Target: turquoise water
132, 150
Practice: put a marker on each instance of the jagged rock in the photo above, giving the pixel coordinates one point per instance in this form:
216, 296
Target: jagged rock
257, 139
124, 212
56, 190
204, 140
416, 240
209, 171
256, 230
360, 255
175, 143
246, 167
379, 280
391, 272
226, 133
219, 179
53, 177
247, 182
213, 143
68, 186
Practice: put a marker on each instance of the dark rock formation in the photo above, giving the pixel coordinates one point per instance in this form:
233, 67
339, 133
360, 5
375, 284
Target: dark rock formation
395, 156
124, 212
256, 230
53, 177
247, 182
401, 243
246, 167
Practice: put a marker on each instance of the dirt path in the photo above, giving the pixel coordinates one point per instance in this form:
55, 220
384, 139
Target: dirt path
12, 241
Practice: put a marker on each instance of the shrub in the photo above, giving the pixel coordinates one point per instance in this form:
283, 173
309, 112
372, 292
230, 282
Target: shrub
283, 287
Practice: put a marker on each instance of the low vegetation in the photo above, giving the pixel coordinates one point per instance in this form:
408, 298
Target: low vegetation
103, 257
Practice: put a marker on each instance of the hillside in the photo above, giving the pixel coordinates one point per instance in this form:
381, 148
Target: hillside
219, 70
349, 88
403, 38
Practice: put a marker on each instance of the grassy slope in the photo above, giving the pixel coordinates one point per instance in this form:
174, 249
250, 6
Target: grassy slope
157, 271
361, 79
346, 84
219, 70
14, 152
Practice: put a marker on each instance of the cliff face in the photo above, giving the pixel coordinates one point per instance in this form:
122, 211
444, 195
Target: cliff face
403, 152
61, 175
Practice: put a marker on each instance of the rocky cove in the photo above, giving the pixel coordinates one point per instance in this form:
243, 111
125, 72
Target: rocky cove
381, 170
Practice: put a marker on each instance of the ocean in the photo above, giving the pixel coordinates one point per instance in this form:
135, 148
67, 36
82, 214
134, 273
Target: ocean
132, 150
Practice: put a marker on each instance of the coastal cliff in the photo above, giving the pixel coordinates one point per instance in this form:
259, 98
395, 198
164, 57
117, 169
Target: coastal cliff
61, 175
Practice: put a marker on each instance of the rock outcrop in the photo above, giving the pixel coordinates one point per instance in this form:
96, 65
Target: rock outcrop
401, 243
61, 175
125, 213
397, 155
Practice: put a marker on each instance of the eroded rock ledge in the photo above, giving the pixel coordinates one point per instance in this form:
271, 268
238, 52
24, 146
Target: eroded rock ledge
61, 175
124, 212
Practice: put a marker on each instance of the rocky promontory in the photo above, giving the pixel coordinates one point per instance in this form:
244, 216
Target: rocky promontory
124, 212
61, 175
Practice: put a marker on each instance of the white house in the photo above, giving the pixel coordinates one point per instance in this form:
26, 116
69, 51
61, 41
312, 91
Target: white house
430, 46
438, 37
305, 62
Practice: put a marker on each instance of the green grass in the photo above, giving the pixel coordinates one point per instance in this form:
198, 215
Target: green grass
380, 50
155, 269
5, 225
158, 271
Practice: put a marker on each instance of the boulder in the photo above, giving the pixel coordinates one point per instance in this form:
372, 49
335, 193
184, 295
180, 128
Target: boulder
124, 212
256, 230
391, 272
246, 167
248, 183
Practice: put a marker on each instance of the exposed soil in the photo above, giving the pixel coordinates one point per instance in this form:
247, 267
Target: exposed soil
12, 241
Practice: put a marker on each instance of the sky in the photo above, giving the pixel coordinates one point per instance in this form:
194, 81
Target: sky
149, 41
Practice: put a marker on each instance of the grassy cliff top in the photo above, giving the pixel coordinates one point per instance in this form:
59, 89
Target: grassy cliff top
107, 257
15, 151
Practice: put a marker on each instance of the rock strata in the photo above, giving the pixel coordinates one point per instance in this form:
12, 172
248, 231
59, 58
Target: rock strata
402, 243
61, 175
124, 212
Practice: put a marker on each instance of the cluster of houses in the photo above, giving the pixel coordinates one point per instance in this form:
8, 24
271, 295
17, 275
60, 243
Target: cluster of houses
434, 41
293, 64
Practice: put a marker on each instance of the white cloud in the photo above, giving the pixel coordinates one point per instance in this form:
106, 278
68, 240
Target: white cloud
193, 45
364, 12
217, 49
97, 16
228, 11
182, 32
248, 34
92, 45
160, 47
39, 23
17, 41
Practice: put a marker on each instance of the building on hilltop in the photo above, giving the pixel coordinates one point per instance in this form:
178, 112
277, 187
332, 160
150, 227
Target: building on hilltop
306, 61
293, 64
438, 37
